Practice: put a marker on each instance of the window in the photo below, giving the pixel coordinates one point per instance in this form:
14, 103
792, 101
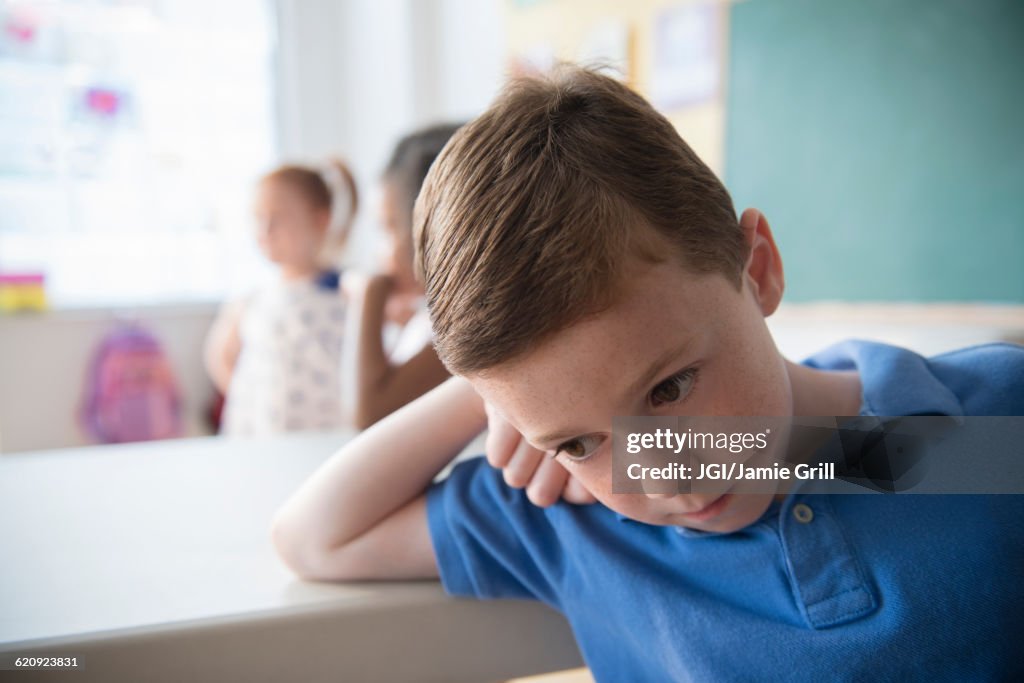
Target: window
131, 133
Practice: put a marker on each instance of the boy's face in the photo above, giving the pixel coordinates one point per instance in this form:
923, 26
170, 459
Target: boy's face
676, 343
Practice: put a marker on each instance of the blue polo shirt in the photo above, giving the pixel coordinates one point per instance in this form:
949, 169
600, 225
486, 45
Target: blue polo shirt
871, 587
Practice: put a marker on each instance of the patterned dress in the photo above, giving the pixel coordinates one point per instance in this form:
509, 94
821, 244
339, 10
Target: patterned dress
287, 377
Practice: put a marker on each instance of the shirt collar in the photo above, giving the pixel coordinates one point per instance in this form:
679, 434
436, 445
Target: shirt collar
894, 381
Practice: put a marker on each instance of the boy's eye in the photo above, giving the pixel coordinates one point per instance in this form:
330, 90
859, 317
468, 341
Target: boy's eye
673, 389
580, 448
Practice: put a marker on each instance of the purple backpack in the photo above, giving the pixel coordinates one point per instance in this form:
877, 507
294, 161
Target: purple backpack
130, 391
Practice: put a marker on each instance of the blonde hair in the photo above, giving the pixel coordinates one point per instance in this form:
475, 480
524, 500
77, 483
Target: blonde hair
527, 217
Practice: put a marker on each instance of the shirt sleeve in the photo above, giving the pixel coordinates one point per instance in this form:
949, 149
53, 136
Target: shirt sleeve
490, 541
988, 379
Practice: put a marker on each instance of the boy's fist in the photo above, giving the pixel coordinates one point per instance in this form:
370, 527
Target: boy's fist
523, 465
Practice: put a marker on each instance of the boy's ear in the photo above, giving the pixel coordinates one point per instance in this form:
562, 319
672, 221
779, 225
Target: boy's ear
763, 273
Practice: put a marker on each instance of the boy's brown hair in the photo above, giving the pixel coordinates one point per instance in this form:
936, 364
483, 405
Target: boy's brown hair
525, 221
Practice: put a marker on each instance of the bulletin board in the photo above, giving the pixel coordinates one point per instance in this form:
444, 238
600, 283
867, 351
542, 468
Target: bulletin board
885, 143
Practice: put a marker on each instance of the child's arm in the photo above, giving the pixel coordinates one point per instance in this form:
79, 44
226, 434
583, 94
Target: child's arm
380, 388
223, 344
362, 514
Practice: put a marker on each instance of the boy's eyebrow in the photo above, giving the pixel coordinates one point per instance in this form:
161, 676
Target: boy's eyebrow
655, 369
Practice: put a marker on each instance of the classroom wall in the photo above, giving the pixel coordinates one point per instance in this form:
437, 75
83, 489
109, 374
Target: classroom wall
357, 75
565, 28
883, 140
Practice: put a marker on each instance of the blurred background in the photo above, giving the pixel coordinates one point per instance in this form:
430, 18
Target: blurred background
881, 139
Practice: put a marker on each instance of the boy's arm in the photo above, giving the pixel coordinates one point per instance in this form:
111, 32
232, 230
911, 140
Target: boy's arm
362, 514
379, 388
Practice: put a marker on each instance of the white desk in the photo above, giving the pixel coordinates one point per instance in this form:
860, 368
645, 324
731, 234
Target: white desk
153, 562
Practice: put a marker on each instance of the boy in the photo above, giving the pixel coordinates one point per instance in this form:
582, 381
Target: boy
580, 262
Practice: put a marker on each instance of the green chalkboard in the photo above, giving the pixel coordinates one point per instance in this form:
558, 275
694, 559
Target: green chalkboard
884, 141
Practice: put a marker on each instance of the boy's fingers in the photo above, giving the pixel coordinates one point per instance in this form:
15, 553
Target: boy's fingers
547, 483
520, 468
575, 492
524, 466
502, 440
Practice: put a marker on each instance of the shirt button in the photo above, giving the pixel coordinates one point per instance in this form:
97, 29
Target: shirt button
803, 513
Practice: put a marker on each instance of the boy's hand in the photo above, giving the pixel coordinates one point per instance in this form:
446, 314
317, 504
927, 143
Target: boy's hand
523, 465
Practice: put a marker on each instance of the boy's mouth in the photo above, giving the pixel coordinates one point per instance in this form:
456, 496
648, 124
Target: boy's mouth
710, 510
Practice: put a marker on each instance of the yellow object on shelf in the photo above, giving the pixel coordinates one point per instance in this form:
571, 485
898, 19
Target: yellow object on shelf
22, 292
